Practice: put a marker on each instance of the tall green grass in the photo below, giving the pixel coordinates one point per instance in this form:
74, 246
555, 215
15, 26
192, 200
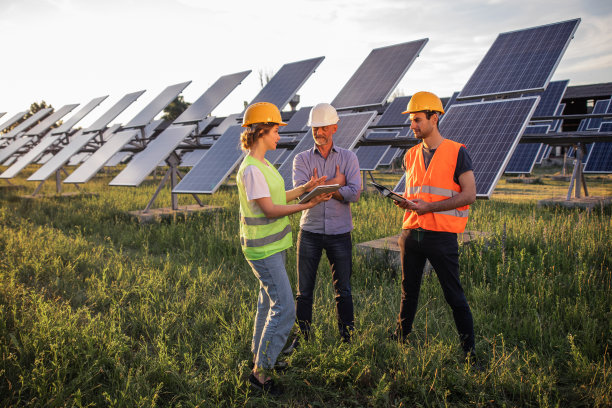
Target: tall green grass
98, 310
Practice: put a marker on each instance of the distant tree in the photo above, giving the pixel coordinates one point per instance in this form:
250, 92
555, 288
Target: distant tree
264, 76
175, 108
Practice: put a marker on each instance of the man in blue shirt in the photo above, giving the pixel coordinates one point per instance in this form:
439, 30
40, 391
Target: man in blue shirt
327, 226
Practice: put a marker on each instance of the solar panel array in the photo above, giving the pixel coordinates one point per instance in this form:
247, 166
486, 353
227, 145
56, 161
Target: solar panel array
210, 99
157, 150
50, 120
599, 159
285, 83
113, 112
601, 106
378, 75
550, 98
369, 157
28, 157
490, 131
12, 148
26, 124
525, 155
148, 113
298, 122
13, 119
520, 61
190, 159
220, 160
74, 119
392, 116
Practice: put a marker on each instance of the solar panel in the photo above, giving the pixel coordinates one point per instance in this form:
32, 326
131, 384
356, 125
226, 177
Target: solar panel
599, 159
28, 157
557, 123
274, 155
378, 75
525, 154
12, 121
190, 159
388, 158
8, 151
382, 135
601, 106
156, 151
400, 187
298, 121
285, 84
490, 131
113, 112
453, 100
392, 116
350, 129
45, 158
26, 124
541, 154
77, 142
550, 98
78, 158
50, 120
369, 157
520, 61
74, 119
209, 100
97, 160
117, 158
162, 100
210, 172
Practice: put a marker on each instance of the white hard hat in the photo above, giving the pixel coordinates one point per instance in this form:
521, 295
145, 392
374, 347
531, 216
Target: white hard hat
323, 114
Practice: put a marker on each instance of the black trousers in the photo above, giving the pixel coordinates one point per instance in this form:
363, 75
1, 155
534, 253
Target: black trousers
441, 248
338, 248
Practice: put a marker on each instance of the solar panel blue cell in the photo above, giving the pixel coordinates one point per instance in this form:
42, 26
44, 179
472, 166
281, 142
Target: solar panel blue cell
601, 106
298, 122
393, 116
220, 160
541, 154
490, 131
525, 154
550, 98
369, 157
599, 159
385, 135
388, 158
378, 75
400, 187
453, 100
520, 61
286, 82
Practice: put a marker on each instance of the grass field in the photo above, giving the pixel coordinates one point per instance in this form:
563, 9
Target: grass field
97, 310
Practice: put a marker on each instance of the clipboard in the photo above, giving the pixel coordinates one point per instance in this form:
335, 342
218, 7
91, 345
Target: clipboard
330, 188
388, 193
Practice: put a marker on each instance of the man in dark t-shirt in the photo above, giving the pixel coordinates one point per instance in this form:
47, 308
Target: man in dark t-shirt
440, 186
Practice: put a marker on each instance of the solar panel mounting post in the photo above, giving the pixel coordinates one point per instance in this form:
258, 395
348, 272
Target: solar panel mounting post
173, 172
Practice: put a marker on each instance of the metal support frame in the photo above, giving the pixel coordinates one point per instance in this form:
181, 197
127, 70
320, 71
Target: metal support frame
173, 174
577, 181
58, 182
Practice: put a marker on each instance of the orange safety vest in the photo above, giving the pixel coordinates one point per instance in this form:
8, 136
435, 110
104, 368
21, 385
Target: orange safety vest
434, 184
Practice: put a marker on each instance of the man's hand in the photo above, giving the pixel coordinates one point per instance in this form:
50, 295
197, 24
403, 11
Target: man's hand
419, 206
339, 178
314, 181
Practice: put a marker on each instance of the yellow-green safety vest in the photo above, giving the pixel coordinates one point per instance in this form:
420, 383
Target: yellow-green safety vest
260, 236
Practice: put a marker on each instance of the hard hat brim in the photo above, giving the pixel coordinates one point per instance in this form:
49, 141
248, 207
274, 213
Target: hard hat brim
279, 124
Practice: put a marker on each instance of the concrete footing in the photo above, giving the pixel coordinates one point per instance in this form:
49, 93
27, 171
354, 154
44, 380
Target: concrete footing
586, 203
157, 214
387, 249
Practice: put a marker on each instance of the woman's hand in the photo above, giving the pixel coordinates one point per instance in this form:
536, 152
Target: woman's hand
320, 198
314, 181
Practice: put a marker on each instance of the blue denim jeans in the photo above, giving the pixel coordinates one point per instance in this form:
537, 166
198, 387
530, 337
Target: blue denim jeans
338, 248
275, 309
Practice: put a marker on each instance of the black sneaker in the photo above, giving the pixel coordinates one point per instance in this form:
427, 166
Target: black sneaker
295, 345
268, 387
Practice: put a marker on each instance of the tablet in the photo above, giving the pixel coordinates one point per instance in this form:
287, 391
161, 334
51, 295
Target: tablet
388, 193
330, 188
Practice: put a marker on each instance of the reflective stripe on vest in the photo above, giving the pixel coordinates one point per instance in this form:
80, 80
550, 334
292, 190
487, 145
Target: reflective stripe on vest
256, 220
259, 242
432, 190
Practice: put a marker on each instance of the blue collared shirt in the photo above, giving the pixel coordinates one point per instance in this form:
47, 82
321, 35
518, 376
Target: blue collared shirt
333, 216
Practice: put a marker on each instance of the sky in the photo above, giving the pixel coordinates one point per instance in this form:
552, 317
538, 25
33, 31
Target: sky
70, 51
